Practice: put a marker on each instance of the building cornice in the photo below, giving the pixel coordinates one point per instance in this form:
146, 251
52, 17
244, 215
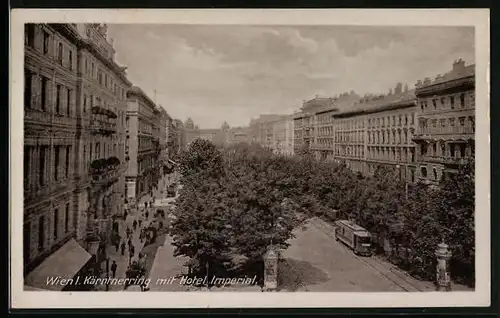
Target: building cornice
467, 82
112, 65
138, 92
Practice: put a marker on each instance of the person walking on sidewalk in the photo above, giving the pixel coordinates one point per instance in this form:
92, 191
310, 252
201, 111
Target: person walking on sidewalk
134, 225
113, 268
117, 244
140, 223
129, 242
123, 247
131, 251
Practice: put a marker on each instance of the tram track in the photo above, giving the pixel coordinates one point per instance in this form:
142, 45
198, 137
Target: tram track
372, 262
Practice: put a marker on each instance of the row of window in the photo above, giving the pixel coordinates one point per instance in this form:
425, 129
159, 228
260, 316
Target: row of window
392, 154
145, 143
390, 137
61, 225
458, 125
354, 137
146, 163
351, 124
40, 160
395, 120
104, 79
38, 92
99, 150
64, 54
447, 149
349, 151
453, 101
145, 128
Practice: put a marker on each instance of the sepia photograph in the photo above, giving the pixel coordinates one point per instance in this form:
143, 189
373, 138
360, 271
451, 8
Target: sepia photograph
265, 156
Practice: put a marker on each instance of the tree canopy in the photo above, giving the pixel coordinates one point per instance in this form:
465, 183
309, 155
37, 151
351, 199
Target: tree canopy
243, 198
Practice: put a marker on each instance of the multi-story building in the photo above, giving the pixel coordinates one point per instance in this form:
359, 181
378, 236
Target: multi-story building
51, 201
377, 131
74, 142
282, 139
166, 126
261, 130
314, 113
239, 135
446, 126
143, 144
176, 139
102, 87
424, 133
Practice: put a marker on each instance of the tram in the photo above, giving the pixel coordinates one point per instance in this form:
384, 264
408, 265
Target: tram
354, 236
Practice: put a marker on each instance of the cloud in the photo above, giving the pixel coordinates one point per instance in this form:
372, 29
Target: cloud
233, 73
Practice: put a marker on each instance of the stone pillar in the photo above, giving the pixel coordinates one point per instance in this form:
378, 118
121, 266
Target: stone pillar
443, 279
271, 270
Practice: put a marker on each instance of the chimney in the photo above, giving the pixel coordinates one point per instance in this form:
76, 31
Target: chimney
459, 66
398, 89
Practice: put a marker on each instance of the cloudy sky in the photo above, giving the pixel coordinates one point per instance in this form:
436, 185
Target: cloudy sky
233, 73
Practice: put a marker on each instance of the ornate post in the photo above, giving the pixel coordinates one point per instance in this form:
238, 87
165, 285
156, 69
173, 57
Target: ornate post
443, 255
271, 269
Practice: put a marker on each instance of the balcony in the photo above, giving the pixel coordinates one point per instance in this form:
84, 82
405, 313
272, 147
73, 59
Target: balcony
102, 126
445, 160
35, 116
98, 110
105, 171
458, 132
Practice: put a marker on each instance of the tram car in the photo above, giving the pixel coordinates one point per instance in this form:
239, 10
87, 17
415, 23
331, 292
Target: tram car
354, 236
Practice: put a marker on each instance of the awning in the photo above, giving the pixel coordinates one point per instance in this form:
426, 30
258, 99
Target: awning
62, 264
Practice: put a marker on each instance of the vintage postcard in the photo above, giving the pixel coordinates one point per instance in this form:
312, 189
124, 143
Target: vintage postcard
249, 158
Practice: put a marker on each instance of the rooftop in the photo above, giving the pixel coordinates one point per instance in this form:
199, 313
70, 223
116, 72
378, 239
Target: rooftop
459, 70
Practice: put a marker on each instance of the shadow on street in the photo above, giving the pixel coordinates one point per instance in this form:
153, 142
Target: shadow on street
295, 274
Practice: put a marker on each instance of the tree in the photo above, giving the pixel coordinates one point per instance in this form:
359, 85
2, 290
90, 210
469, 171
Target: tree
201, 156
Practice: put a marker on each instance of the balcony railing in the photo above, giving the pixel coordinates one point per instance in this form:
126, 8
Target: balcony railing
445, 159
102, 126
459, 130
47, 118
105, 170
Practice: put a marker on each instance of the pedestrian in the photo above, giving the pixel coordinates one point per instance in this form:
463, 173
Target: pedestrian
113, 268
134, 225
117, 244
147, 215
140, 222
125, 216
132, 250
146, 204
129, 241
123, 247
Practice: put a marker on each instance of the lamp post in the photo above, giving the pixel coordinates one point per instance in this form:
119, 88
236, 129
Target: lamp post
443, 255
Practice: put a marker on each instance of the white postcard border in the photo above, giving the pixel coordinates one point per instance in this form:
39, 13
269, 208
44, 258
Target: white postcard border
414, 17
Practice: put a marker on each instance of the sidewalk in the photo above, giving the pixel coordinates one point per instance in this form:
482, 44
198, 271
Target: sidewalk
123, 260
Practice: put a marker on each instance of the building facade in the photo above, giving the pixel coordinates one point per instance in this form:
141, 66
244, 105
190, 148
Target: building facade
74, 100
282, 139
446, 126
424, 133
143, 144
239, 135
